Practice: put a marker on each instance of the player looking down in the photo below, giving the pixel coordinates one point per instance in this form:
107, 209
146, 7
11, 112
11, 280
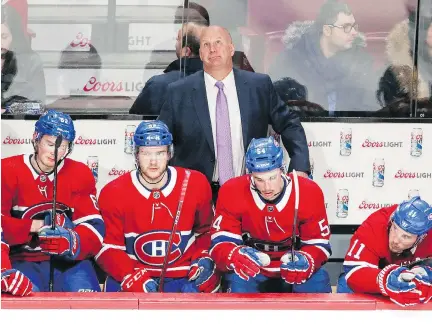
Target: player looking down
382, 251
26, 206
252, 231
148, 208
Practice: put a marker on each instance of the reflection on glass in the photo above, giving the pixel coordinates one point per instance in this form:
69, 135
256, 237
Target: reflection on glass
348, 55
400, 85
23, 80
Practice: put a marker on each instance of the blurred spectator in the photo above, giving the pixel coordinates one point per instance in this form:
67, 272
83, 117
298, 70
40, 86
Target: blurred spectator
396, 88
194, 12
152, 96
21, 7
23, 77
295, 96
328, 57
87, 61
290, 89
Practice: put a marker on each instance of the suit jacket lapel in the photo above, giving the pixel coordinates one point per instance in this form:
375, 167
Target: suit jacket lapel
243, 94
202, 110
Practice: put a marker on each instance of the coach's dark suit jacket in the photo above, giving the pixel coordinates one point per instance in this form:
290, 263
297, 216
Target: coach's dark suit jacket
186, 113
152, 96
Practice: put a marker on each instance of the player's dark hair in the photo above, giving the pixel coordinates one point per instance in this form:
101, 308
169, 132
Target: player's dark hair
329, 12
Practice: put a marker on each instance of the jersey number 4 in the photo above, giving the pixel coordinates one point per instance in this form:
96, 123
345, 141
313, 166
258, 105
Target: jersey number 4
217, 223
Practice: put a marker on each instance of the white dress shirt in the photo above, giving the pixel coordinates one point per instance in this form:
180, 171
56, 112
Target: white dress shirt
230, 91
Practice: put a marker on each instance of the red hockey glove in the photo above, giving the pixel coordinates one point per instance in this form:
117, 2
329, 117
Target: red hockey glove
60, 241
299, 270
15, 283
205, 275
396, 282
246, 261
139, 281
423, 281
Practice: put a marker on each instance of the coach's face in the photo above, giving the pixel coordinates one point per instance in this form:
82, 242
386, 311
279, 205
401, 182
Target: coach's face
216, 49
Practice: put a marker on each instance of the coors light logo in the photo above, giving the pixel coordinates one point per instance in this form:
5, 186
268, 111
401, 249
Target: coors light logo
117, 172
404, 174
93, 85
366, 205
319, 144
15, 140
369, 143
86, 141
329, 174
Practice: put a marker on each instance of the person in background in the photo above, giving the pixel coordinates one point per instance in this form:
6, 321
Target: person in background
395, 89
327, 56
152, 96
23, 78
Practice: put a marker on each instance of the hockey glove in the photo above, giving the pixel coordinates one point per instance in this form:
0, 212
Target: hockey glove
205, 275
61, 220
396, 283
299, 270
60, 241
246, 261
139, 281
15, 283
423, 281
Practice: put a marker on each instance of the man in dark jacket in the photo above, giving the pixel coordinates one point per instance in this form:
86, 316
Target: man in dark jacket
152, 96
327, 57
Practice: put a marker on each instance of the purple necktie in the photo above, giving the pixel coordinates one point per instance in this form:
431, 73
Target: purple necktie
223, 136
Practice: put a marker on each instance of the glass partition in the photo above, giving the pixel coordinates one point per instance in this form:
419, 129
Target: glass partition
332, 58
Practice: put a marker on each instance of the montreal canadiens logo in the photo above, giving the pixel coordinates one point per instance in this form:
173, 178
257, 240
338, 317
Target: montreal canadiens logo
39, 211
150, 248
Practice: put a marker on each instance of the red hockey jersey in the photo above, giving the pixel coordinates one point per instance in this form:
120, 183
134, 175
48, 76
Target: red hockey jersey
26, 195
244, 218
139, 223
369, 252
